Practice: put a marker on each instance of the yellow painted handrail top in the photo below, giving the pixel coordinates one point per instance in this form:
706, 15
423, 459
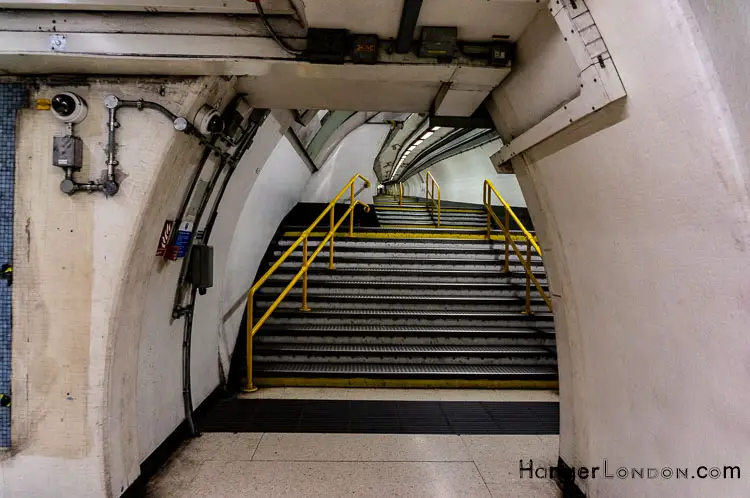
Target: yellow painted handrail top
528, 235
307, 232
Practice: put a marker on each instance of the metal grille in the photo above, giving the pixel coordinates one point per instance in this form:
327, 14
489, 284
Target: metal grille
380, 369
12, 97
399, 349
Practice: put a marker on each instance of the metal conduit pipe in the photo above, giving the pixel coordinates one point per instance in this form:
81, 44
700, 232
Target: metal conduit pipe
110, 186
210, 147
230, 164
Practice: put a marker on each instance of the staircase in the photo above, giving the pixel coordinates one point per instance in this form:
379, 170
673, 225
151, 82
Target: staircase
408, 305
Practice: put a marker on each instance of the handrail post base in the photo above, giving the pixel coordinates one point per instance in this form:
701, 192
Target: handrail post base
249, 389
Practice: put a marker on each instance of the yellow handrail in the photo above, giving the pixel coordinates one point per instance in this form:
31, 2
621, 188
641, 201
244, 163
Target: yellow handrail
429, 181
488, 190
252, 328
400, 194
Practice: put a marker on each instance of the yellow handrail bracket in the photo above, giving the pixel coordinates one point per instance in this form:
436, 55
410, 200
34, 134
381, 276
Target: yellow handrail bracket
510, 242
253, 327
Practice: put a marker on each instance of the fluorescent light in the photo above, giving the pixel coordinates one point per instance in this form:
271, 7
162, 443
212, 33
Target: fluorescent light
406, 153
418, 142
435, 128
427, 135
411, 148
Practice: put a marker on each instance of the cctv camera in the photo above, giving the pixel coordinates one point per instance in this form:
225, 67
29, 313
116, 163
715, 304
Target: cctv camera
208, 121
69, 107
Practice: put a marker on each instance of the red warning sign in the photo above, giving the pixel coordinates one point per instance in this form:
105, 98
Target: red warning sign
166, 234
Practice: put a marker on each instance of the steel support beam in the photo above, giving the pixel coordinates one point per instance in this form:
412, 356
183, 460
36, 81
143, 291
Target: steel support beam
300, 150
272, 7
409, 18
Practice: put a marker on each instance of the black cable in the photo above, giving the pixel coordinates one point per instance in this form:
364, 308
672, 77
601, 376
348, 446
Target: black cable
273, 34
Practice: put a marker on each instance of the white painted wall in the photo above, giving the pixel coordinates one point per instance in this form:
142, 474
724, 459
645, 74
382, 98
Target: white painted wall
355, 154
461, 178
646, 228
275, 193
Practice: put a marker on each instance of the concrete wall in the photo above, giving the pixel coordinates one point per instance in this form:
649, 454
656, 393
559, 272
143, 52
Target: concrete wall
461, 178
355, 154
78, 260
646, 228
91, 406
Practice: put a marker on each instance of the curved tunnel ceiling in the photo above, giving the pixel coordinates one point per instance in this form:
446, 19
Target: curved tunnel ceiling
414, 145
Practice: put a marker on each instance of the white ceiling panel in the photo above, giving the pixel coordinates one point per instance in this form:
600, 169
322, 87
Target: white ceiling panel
475, 19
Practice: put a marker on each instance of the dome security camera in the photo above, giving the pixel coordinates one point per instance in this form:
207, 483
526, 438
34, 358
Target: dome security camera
208, 121
69, 107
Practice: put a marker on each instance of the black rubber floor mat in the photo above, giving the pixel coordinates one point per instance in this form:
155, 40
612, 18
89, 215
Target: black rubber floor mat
382, 417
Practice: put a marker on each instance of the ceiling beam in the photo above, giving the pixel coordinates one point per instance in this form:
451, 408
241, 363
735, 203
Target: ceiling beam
273, 7
409, 18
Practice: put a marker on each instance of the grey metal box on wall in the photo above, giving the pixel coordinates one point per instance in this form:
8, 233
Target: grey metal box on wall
67, 152
202, 266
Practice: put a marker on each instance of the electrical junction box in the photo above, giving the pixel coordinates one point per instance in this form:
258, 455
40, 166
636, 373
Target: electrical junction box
202, 266
67, 152
503, 54
438, 42
365, 49
327, 45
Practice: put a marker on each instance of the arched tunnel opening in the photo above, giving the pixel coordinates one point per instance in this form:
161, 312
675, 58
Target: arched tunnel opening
617, 134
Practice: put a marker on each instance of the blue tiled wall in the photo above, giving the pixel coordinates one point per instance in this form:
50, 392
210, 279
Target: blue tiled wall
12, 97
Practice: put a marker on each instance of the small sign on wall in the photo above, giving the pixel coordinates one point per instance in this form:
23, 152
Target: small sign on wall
166, 234
182, 241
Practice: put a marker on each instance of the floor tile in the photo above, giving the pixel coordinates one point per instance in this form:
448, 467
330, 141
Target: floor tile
524, 488
222, 446
361, 447
337, 479
498, 457
174, 476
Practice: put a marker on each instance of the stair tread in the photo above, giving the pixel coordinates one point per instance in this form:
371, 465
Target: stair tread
344, 256
421, 329
401, 349
391, 369
483, 273
376, 297
407, 283
345, 240
418, 313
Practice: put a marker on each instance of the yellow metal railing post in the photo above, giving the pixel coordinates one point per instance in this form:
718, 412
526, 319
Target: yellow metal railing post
438, 202
351, 217
429, 193
427, 190
486, 205
400, 194
305, 267
250, 387
507, 242
331, 266
528, 280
